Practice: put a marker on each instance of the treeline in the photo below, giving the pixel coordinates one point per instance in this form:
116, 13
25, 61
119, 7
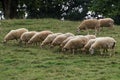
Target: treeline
68, 9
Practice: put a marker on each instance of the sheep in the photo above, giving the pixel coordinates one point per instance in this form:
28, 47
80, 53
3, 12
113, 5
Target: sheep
14, 34
103, 43
75, 43
106, 22
49, 39
89, 24
39, 36
66, 40
60, 38
88, 45
26, 36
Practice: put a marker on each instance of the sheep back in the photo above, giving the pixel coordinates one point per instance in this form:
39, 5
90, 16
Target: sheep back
89, 24
106, 22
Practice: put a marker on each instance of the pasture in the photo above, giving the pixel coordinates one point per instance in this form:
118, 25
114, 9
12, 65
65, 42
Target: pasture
32, 63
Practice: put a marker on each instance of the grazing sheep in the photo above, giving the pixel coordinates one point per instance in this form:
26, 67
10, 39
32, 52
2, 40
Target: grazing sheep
48, 40
89, 37
103, 43
26, 36
90, 24
14, 34
106, 22
60, 38
88, 45
66, 40
39, 36
75, 43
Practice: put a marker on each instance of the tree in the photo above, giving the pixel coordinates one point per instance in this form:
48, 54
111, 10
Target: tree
109, 8
9, 8
75, 9
70, 9
43, 8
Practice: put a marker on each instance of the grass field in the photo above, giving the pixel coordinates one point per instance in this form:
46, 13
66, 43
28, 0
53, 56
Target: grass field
33, 63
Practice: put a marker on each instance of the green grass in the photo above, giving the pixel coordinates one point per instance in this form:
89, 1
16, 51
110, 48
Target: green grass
33, 63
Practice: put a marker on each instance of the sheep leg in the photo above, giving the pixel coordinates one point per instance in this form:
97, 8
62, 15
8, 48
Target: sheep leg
60, 49
87, 31
108, 52
105, 50
101, 52
97, 30
112, 52
73, 51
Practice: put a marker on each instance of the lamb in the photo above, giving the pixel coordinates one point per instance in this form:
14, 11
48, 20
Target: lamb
90, 24
75, 43
49, 39
106, 22
26, 36
103, 43
39, 36
59, 39
14, 34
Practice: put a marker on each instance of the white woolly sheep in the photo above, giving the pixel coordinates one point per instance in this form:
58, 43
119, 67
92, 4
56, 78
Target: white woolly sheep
75, 43
89, 37
89, 24
26, 36
103, 43
48, 40
66, 40
60, 38
106, 22
39, 36
88, 45
14, 34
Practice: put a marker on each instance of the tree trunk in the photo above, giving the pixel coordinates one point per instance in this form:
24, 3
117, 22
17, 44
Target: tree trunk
9, 8
13, 9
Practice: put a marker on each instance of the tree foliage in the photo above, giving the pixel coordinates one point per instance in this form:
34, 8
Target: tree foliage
68, 9
51, 8
109, 8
